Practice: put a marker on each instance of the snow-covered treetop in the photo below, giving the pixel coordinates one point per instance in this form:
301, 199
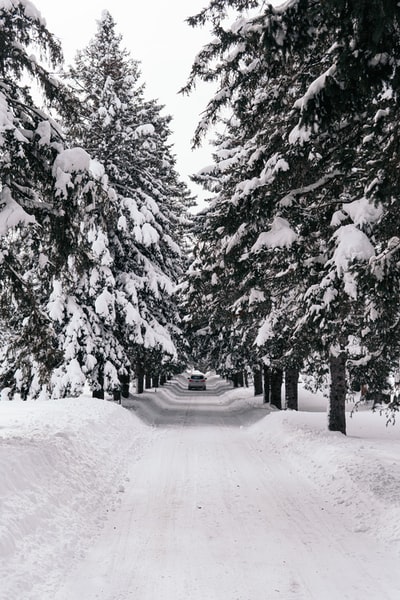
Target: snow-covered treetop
28, 8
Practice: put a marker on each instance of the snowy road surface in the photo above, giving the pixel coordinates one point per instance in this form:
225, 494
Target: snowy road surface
208, 514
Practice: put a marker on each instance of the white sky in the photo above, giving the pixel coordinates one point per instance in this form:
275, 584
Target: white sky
155, 34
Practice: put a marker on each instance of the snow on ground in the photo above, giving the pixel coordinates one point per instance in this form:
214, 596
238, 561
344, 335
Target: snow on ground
359, 473
63, 469
193, 495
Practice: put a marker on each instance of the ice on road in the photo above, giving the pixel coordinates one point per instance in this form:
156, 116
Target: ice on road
207, 514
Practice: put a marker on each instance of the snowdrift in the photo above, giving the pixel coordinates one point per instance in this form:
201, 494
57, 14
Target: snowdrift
360, 472
63, 466
64, 463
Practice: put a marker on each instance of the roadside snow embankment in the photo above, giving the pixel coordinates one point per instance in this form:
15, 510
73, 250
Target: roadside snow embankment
360, 472
63, 466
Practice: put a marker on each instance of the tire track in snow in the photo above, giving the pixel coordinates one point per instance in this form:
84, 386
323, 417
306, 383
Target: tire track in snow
207, 515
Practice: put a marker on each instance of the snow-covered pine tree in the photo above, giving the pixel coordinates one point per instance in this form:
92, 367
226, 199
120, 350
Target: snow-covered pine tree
129, 136
217, 316
55, 265
241, 206
30, 140
347, 112
83, 299
319, 207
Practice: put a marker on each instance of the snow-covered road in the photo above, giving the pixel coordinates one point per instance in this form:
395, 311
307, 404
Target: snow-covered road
209, 514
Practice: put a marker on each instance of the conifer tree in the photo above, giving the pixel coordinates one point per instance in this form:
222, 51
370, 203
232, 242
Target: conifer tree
55, 265
313, 90
129, 136
30, 140
83, 299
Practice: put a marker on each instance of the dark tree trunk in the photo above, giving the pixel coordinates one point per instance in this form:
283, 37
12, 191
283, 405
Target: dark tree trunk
125, 380
156, 380
291, 388
337, 394
246, 378
147, 381
99, 391
267, 382
276, 387
139, 378
257, 380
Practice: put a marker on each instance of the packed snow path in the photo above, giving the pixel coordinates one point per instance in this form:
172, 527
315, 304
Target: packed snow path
208, 515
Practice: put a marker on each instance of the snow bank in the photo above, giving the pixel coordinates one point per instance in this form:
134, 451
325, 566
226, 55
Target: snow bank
360, 472
63, 469
63, 466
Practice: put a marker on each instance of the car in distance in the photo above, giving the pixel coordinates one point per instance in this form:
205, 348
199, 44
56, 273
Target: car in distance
197, 381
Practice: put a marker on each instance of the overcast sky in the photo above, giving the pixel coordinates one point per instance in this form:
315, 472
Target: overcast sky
156, 34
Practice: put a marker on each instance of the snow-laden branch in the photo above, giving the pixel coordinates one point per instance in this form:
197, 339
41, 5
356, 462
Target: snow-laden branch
288, 198
392, 247
32, 199
314, 89
11, 213
39, 113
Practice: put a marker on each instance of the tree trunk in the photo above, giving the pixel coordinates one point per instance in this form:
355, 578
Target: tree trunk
99, 391
266, 377
147, 381
276, 387
246, 378
139, 378
124, 380
156, 380
291, 388
337, 394
257, 381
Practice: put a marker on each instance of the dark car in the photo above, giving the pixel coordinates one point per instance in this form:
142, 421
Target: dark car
197, 381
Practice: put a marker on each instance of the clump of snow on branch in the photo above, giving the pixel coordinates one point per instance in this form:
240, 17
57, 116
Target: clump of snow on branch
272, 167
352, 244
256, 296
265, 333
144, 130
363, 211
74, 160
301, 133
11, 213
314, 89
280, 235
105, 306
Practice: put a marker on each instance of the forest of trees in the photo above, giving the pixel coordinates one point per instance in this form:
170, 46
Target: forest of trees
295, 261
93, 218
